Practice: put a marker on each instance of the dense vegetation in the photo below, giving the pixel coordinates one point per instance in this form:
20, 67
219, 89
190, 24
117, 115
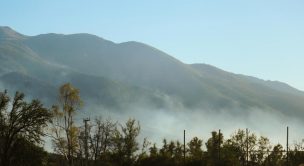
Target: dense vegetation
106, 142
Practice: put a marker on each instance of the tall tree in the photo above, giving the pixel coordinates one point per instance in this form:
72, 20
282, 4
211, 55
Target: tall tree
101, 138
65, 132
275, 157
231, 153
296, 157
263, 150
213, 148
244, 142
125, 142
195, 149
23, 122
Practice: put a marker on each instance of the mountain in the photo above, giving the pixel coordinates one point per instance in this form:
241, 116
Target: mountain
15, 81
6, 33
129, 62
130, 74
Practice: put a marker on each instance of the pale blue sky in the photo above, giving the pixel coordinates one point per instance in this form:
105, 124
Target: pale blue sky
262, 38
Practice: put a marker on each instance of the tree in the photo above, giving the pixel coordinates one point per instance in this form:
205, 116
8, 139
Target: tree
125, 142
263, 150
153, 151
65, 139
195, 151
143, 156
28, 154
195, 148
231, 153
213, 148
275, 157
241, 142
24, 122
296, 157
166, 153
151, 159
178, 153
130, 134
101, 137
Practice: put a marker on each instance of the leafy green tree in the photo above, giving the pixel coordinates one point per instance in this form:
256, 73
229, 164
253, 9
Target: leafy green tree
179, 153
164, 151
231, 153
153, 151
243, 143
195, 151
125, 143
171, 149
130, 134
143, 155
28, 154
296, 156
263, 150
166, 154
23, 122
213, 148
195, 148
275, 157
151, 159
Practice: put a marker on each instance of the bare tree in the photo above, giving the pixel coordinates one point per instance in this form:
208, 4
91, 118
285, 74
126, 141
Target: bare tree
101, 138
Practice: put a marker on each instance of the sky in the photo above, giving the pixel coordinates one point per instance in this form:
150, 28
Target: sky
261, 38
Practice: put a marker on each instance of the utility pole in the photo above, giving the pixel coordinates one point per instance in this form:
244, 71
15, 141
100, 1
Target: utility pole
247, 147
219, 146
287, 147
85, 121
184, 147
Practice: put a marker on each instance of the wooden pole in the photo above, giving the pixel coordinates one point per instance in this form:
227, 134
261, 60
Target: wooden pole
86, 140
184, 147
287, 147
219, 146
247, 146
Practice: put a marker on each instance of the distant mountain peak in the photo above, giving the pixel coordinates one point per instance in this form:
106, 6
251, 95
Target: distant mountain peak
8, 33
89, 61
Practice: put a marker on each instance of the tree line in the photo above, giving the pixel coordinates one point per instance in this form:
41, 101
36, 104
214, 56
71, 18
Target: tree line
24, 125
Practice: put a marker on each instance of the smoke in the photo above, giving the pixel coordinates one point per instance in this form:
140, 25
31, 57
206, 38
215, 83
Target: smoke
1, 87
169, 123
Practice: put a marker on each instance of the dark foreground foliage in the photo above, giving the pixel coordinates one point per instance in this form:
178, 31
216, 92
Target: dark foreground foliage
21, 128
215, 151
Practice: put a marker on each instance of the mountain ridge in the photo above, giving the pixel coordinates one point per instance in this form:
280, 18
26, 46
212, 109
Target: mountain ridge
55, 58
7, 33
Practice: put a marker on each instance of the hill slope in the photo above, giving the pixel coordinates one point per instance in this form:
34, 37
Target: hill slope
116, 74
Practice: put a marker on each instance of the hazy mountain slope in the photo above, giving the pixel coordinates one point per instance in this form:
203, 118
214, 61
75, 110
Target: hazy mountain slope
130, 62
15, 56
32, 87
139, 64
94, 90
252, 91
21, 69
134, 74
112, 94
211, 72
